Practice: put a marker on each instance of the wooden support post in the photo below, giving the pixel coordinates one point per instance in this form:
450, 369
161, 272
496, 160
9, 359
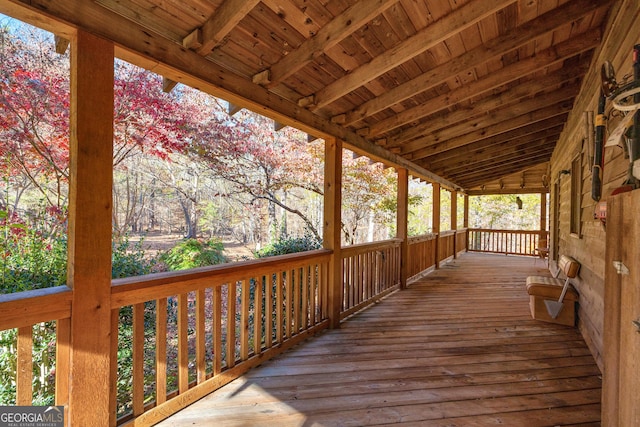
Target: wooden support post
543, 211
435, 222
402, 226
332, 219
454, 221
465, 221
90, 209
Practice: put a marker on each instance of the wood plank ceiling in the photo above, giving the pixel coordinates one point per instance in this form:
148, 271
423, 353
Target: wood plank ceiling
473, 91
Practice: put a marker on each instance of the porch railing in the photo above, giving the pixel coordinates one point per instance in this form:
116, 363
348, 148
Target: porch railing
178, 336
422, 249
184, 334
421, 253
508, 242
40, 320
369, 271
220, 321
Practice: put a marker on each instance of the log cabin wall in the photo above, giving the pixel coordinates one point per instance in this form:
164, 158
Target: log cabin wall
587, 245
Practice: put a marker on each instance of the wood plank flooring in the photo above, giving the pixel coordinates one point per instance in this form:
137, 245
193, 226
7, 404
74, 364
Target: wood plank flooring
458, 348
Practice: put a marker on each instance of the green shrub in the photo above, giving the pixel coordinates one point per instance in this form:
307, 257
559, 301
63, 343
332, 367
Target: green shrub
31, 258
129, 260
289, 245
192, 253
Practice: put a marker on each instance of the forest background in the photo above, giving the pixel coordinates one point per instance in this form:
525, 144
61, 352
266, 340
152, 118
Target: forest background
195, 183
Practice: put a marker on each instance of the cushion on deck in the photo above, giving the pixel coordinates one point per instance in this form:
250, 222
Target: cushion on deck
550, 288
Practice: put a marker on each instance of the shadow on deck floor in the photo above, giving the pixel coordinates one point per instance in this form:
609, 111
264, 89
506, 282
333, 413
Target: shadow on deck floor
458, 348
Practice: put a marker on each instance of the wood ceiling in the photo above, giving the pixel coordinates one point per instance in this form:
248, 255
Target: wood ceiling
473, 91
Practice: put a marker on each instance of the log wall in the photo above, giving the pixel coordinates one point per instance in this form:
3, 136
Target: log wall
588, 247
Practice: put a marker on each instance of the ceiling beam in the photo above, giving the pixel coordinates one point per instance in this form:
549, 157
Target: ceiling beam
490, 103
466, 121
527, 190
479, 180
511, 168
328, 36
463, 17
494, 80
226, 17
491, 49
495, 158
431, 157
62, 44
232, 109
464, 157
168, 85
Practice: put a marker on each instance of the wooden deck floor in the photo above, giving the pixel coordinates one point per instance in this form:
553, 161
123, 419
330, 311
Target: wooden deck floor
458, 348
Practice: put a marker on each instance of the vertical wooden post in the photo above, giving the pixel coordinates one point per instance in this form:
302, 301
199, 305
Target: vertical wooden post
465, 220
90, 208
332, 219
435, 222
454, 221
402, 226
543, 211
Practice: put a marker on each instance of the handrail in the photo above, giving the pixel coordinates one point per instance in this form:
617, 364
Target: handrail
367, 247
133, 290
28, 308
422, 238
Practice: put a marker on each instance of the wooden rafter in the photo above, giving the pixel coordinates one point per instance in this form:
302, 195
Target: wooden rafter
510, 110
476, 159
515, 127
497, 47
168, 84
463, 17
508, 74
328, 36
62, 44
227, 16
516, 134
512, 95
473, 181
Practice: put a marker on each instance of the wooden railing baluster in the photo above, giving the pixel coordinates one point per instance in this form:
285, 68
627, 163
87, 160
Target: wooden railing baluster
244, 319
161, 350
113, 372
183, 343
269, 280
231, 324
280, 307
138, 359
201, 367
24, 388
257, 316
217, 329
288, 299
63, 341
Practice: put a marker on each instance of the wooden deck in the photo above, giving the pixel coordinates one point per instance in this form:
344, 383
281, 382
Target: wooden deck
458, 348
